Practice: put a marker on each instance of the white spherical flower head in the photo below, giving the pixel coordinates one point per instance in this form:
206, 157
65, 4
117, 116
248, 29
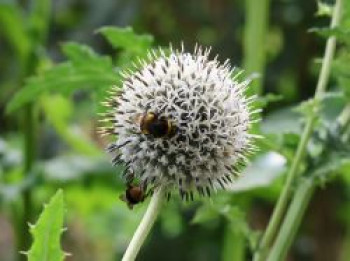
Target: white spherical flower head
182, 122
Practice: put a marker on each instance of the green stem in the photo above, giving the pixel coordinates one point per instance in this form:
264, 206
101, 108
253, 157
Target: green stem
293, 171
37, 24
145, 226
303, 195
29, 157
30, 141
234, 245
285, 195
296, 210
255, 31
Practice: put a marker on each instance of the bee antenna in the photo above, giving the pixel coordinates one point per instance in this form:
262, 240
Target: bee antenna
162, 109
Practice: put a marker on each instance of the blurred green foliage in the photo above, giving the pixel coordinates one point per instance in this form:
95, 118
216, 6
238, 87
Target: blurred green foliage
78, 59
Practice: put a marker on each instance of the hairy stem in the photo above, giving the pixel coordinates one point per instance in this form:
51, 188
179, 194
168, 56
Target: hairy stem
297, 208
145, 226
293, 171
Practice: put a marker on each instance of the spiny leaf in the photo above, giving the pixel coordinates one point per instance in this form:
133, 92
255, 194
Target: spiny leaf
312, 107
80, 54
47, 232
324, 9
333, 156
309, 107
341, 33
330, 167
86, 69
127, 39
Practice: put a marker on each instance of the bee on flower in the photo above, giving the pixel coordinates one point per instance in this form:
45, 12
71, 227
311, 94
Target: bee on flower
181, 121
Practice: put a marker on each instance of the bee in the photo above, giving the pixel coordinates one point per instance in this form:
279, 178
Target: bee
134, 194
157, 126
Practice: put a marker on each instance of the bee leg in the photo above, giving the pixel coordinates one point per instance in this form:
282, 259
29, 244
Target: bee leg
130, 206
147, 108
129, 178
122, 197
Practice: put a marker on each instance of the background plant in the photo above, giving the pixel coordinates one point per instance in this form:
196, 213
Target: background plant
56, 70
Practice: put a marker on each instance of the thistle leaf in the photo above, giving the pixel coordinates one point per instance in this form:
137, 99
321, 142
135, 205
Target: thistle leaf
127, 39
47, 231
85, 69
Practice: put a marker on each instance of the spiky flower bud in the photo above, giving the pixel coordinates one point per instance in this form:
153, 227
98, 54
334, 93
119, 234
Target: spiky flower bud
181, 121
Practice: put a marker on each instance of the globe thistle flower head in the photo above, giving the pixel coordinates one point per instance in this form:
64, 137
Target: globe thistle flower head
181, 121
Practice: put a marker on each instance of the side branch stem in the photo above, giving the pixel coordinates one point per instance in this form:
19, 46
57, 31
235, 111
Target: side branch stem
282, 202
301, 199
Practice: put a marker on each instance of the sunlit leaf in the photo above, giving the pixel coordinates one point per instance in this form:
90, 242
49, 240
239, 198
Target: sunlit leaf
323, 9
341, 33
85, 70
127, 39
47, 232
80, 55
